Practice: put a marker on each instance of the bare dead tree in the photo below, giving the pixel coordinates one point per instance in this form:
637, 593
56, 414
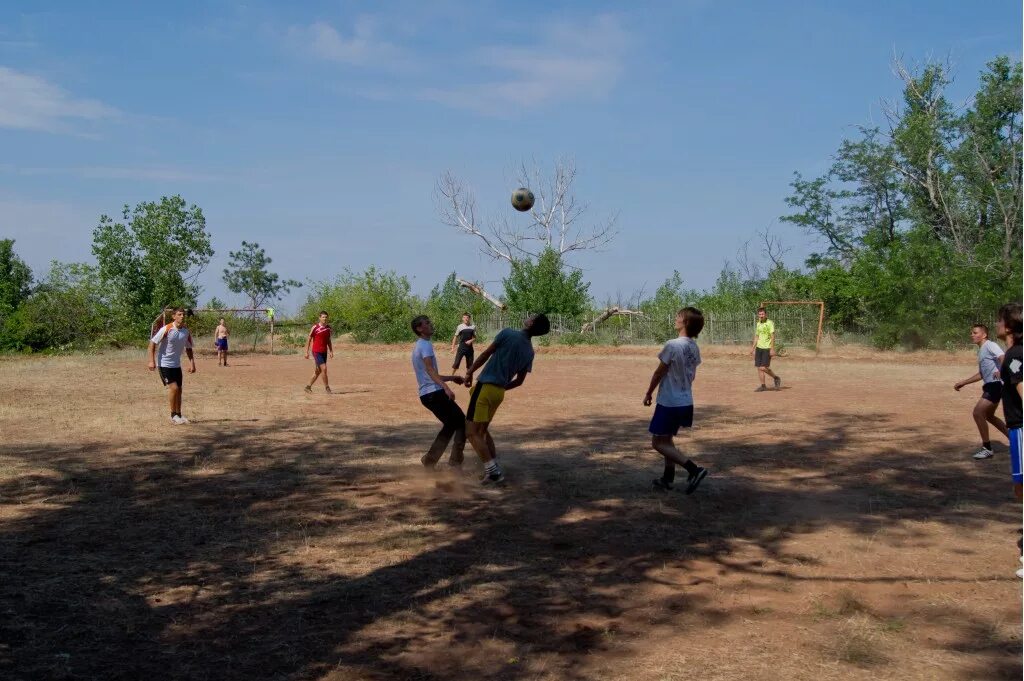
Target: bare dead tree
772, 247
480, 291
610, 312
556, 219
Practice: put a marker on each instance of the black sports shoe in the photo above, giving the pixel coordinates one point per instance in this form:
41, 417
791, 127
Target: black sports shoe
694, 480
493, 478
662, 486
778, 382
760, 389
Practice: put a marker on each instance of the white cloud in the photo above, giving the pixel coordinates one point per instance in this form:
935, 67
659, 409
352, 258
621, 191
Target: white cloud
571, 61
362, 48
29, 102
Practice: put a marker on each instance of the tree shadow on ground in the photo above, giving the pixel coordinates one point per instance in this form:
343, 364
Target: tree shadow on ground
288, 550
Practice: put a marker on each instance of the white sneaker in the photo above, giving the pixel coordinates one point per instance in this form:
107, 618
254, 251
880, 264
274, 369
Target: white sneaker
983, 453
1020, 573
174, 420
182, 420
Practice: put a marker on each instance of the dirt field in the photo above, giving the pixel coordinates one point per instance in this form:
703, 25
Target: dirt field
844, 531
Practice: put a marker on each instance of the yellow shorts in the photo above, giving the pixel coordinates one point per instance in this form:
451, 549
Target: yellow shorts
483, 402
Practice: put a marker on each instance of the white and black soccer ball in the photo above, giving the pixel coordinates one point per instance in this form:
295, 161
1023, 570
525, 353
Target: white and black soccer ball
522, 199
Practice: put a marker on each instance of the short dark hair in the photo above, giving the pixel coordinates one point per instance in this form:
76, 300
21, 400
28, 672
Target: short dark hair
693, 321
761, 309
539, 326
417, 322
466, 314
982, 327
177, 310
322, 312
1010, 316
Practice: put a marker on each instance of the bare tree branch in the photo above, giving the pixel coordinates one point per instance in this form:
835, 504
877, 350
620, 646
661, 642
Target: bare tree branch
479, 290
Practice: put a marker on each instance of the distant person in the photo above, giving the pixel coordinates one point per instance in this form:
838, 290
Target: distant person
437, 397
319, 342
508, 359
990, 357
677, 369
1009, 328
220, 341
171, 340
763, 349
465, 334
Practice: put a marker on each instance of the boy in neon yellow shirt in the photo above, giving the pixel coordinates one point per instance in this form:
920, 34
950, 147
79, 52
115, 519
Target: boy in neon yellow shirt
763, 349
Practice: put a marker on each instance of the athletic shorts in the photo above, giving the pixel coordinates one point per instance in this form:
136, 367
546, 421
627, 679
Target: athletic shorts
320, 358
484, 402
1015, 456
466, 352
170, 375
221, 343
992, 392
762, 357
668, 420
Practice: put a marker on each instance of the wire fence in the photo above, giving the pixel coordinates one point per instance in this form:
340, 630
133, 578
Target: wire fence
794, 326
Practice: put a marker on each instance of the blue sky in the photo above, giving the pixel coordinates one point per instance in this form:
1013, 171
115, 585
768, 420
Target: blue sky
319, 129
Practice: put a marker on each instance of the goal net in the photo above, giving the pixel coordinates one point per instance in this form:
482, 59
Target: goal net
798, 323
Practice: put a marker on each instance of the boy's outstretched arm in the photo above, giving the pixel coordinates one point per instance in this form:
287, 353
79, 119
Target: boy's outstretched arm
656, 377
480, 361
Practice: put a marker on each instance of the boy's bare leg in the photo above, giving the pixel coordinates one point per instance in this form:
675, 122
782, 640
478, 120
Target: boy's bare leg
327, 384
316, 375
478, 437
173, 396
768, 371
984, 414
664, 445
760, 375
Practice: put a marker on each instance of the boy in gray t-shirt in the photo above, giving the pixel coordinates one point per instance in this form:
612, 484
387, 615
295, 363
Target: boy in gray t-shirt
677, 369
508, 359
990, 356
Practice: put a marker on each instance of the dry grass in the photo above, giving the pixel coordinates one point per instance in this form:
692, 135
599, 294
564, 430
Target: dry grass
844, 532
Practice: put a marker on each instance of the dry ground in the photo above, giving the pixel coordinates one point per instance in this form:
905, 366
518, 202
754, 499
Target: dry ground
844, 532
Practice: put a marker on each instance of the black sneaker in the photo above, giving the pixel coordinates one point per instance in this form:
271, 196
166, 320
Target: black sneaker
778, 382
662, 486
493, 478
308, 388
760, 389
694, 480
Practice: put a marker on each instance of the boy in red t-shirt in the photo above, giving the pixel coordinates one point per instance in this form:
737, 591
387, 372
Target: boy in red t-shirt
319, 342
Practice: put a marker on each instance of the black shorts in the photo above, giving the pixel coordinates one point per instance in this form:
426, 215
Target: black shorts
170, 375
466, 352
992, 391
445, 409
762, 357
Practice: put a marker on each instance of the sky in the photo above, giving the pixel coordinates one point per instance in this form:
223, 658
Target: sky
319, 129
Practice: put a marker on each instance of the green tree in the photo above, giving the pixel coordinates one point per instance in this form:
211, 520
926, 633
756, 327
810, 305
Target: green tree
247, 274
68, 309
373, 305
153, 258
15, 279
446, 303
544, 286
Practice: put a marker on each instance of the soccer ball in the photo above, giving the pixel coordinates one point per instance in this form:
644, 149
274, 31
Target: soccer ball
522, 199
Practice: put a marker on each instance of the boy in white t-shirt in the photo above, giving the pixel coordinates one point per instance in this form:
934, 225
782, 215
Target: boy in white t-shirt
674, 379
172, 340
437, 397
990, 357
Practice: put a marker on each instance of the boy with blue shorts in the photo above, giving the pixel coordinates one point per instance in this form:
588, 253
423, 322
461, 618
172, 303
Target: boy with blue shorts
319, 342
674, 380
1009, 326
220, 341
